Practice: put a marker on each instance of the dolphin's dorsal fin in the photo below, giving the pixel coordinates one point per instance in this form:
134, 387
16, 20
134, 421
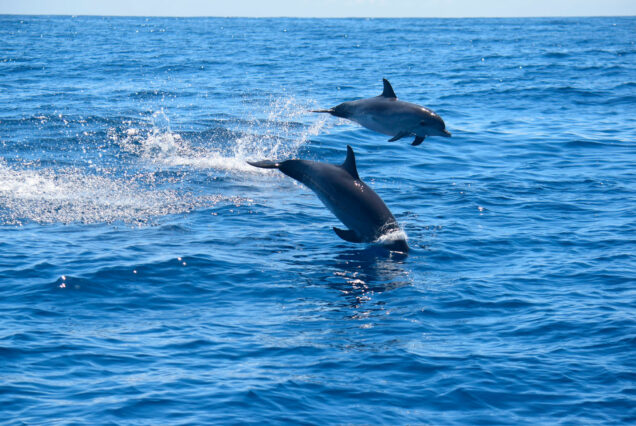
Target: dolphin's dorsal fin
350, 163
388, 90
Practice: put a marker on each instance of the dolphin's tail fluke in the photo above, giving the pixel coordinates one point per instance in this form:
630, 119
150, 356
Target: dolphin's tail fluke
265, 164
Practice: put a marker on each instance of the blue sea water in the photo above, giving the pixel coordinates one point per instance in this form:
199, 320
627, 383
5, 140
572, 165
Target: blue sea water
149, 275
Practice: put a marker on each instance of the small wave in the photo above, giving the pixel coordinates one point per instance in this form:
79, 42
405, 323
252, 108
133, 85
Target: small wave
621, 100
157, 93
626, 85
556, 55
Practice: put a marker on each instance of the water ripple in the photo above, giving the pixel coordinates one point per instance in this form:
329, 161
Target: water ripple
149, 274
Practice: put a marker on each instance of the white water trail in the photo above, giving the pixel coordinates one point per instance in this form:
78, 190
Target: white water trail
72, 195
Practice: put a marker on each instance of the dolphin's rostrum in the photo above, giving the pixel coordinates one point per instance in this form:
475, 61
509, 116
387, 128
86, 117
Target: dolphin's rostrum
353, 202
390, 116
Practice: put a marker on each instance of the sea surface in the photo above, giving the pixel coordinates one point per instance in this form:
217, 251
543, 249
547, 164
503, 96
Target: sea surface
149, 275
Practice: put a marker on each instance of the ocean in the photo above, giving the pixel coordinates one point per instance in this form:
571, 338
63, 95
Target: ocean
149, 275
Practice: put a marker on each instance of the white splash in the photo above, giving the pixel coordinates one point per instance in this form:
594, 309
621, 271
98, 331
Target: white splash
392, 236
278, 136
130, 192
72, 195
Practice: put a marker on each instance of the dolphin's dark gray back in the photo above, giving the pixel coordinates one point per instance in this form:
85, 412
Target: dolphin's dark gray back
339, 187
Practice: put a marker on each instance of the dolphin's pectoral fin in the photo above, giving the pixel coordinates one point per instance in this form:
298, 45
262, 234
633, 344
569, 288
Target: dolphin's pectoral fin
399, 136
418, 140
347, 235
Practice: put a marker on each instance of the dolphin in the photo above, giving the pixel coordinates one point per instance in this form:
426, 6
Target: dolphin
339, 187
390, 116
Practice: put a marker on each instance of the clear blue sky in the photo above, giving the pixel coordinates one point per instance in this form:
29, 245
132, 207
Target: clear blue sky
324, 8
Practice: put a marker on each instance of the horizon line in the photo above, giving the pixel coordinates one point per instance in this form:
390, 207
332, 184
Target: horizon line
316, 17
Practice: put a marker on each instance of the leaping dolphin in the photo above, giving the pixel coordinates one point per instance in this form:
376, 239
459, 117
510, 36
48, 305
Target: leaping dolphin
356, 205
390, 116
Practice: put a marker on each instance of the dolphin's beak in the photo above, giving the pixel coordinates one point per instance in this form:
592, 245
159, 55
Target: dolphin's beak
446, 133
327, 111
